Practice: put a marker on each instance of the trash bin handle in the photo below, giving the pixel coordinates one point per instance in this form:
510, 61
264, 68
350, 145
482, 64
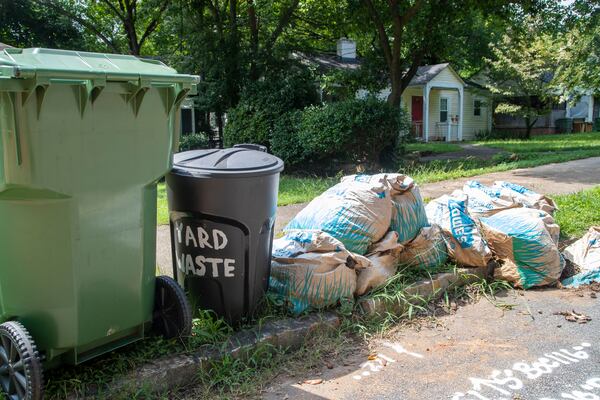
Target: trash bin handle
251, 146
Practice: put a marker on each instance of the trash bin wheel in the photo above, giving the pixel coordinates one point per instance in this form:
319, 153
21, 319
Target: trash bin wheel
172, 313
21, 374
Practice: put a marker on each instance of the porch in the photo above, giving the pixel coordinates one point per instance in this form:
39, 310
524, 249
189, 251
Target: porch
436, 111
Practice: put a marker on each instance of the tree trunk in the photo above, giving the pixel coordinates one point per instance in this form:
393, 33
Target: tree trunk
392, 49
528, 127
395, 95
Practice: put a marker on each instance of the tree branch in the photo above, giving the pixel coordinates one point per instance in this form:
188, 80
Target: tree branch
114, 9
383, 38
414, 67
284, 19
85, 23
155, 21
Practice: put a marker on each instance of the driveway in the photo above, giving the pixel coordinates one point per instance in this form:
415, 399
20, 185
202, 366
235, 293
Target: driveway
481, 351
561, 178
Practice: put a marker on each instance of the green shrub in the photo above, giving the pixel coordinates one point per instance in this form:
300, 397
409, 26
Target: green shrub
193, 141
286, 142
263, 103
354, 131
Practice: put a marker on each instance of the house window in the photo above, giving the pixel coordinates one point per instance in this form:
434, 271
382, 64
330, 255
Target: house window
477, 108
443, 109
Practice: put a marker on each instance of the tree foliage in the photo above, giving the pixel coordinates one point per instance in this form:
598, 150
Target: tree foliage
521, 72
122, 26
24, 23
411, 32
578, 69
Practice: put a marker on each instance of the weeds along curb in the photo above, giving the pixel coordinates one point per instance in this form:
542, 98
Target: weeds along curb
427, 289
182, 370
287, 334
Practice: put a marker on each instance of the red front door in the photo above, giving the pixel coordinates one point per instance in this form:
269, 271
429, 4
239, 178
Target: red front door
417, 108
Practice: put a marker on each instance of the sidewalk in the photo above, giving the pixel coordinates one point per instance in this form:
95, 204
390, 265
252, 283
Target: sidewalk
568, 177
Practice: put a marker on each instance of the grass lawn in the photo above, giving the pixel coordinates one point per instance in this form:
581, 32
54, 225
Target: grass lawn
547, 143
436, 148
578, 212
539, 150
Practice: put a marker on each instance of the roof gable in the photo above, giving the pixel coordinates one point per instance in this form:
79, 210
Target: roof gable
426, 73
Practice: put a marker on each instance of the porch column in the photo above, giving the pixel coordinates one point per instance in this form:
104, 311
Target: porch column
426, 90
461, 100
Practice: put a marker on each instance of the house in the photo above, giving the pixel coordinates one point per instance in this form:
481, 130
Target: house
579, 115
441, 105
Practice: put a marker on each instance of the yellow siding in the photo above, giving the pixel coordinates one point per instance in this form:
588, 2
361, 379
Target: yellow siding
407, 98
474, 124
437, 131
471, 124
445, 77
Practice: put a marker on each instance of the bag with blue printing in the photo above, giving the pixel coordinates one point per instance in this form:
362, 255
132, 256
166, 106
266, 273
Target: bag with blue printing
464, 241
313, 270
485, 201
527, 197
356, 211
529, 256
408, 209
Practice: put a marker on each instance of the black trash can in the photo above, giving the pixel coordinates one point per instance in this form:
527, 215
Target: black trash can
222, 205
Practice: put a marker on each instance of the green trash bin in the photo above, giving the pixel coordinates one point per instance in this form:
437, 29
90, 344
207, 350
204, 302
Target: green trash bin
596, 127
564, 125
84, 139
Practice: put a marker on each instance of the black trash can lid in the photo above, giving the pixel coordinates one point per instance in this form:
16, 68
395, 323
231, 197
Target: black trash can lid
232, 162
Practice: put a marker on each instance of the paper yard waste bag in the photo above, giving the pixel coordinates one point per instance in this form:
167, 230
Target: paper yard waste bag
585, 253
427, 250
548, 220
408, 209
464, 241
383, 259
528, 254
527, 197
485, 201
356, 211
311, 269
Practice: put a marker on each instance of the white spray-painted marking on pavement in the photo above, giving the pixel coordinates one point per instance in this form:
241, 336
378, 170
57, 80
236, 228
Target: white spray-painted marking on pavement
377, 364
398, 348
505, 382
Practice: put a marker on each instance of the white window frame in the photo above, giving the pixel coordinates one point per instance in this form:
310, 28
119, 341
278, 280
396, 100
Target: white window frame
480, 108
447, 110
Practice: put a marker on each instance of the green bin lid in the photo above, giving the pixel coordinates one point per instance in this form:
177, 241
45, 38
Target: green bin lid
65, 64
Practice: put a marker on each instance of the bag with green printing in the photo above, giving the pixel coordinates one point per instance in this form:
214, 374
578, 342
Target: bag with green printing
313, 270
528, 254
356, 211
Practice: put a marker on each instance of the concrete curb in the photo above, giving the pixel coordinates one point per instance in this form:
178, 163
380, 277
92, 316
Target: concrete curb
425, 289
181, 370
289, 334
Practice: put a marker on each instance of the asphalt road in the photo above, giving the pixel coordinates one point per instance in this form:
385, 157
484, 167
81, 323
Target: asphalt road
479, 352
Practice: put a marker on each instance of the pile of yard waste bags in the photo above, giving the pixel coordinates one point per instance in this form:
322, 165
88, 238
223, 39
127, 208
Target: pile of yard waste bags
352, 238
